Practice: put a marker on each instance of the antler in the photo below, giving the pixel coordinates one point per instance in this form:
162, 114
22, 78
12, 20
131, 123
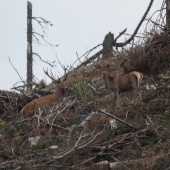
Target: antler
51, 76
64, 78
65, 75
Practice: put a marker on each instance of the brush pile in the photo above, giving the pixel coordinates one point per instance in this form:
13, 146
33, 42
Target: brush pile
85, 127
151, 57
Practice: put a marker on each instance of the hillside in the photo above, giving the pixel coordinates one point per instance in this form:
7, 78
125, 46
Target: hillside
85, 127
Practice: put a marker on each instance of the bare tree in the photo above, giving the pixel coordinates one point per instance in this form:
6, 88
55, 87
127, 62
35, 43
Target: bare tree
29, 46
30, 35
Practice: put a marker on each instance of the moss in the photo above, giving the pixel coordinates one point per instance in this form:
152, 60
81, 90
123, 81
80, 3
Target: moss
165, 117
42, 145
2, 129
58, 140
77, 90
125, 102
154, 108
156, 78
131, 114
104, 101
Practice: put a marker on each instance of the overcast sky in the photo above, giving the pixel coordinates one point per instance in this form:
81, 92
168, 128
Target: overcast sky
79, 25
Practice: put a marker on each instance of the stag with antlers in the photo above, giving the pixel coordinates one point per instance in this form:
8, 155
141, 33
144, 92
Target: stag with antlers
48, 99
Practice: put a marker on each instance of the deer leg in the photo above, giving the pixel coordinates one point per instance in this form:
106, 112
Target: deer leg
140, 96
117, 98
139, 93
135, 86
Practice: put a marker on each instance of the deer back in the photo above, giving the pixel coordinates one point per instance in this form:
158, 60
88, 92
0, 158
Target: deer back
123, 82
127, 81
42, 101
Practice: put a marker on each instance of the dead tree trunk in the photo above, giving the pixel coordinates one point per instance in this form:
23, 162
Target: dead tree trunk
29, 45
108, 46
168, 13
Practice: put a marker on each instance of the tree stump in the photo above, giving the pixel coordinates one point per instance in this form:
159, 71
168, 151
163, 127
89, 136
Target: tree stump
108, 46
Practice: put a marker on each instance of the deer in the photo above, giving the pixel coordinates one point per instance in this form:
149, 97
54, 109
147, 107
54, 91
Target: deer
123, 83
45, 100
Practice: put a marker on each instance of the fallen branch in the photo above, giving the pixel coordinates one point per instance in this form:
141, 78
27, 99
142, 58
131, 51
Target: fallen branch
117, 165
116, 118
77, 148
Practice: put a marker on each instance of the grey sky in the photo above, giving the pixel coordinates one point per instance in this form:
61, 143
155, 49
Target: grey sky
79, 25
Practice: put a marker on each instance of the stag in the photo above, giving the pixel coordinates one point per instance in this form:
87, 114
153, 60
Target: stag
48, 99
123, 83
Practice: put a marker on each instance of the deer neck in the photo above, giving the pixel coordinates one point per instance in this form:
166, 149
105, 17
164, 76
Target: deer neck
59, 92
107, 80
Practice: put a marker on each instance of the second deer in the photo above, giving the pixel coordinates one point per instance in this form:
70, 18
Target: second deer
123, 83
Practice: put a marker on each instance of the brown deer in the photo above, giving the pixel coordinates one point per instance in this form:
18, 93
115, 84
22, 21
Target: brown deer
123, 83
45, 100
